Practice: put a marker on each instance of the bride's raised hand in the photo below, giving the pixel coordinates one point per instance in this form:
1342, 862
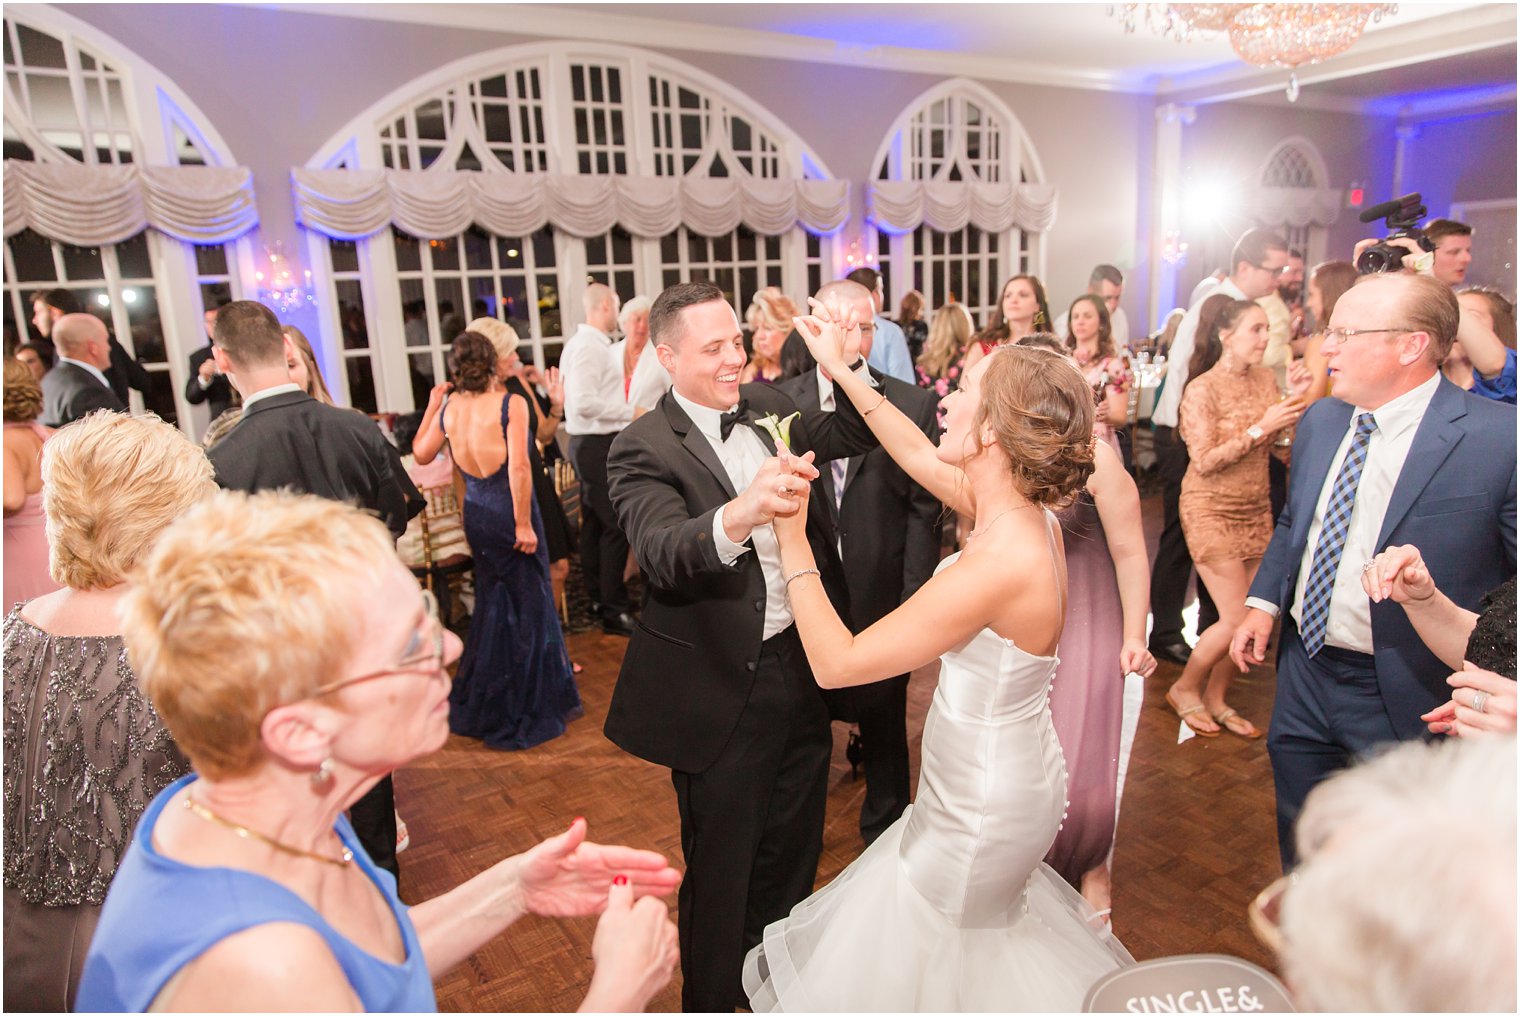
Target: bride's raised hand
824, 332
800, 473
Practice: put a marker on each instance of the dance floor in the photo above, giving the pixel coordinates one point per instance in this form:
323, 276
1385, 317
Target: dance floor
1196, 836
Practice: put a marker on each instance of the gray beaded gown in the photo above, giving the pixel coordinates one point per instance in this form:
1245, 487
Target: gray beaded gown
85, 753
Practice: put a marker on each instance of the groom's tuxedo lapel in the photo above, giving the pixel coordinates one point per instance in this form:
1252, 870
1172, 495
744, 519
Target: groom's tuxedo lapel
696, 442
753, 423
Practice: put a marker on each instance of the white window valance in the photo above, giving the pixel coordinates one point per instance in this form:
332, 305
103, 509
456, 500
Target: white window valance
88, 206
435, 204
901, 206
1297, 206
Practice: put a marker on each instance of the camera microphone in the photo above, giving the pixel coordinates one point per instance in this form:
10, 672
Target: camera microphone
1388, 208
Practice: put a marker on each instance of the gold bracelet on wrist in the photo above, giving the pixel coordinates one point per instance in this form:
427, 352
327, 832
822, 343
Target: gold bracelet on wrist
874, 408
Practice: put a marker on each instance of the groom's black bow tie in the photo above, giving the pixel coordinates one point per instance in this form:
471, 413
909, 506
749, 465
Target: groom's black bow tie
727, 420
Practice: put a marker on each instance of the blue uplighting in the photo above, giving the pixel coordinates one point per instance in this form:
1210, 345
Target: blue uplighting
1437, 100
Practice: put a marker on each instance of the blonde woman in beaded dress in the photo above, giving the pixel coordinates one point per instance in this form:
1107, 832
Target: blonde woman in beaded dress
85, 752
951, 909
1231, 416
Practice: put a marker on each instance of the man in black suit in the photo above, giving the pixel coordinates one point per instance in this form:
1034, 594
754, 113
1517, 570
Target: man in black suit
880, 529
77, 383
715, 684
205, 383
288, 439
123, 373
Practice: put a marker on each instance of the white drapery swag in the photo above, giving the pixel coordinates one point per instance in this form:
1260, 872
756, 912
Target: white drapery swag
348, 204
1297, 206
901, 206
92, 205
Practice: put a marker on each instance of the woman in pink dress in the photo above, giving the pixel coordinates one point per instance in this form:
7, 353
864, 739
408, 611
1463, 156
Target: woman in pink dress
26, 549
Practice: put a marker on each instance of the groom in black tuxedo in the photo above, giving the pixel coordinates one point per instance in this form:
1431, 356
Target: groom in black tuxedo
879, 531
715, 684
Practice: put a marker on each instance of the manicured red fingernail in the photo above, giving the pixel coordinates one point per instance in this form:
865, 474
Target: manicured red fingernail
620, 880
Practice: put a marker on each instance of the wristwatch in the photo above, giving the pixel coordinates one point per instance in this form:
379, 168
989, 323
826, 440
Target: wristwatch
1255, 433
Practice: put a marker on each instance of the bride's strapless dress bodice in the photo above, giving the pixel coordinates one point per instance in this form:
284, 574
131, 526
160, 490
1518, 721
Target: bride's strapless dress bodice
952, 909
992, 786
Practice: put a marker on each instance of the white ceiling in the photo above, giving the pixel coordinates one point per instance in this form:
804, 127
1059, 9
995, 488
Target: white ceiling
1065, 44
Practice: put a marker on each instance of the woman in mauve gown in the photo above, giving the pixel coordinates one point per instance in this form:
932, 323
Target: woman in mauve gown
26, 549
1108, 576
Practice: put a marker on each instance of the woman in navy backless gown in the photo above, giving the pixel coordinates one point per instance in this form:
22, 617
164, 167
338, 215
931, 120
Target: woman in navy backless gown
514, 688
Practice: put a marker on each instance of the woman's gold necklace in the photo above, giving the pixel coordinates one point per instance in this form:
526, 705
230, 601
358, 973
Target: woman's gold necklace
1005, 511
206, 813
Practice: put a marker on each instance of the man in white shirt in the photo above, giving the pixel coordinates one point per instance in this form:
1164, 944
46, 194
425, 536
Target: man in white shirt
596, 410
1397, 456
715, 684
1258, 259
1107, 283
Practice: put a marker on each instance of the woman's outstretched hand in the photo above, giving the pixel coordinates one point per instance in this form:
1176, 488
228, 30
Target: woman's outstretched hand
566, 876
1398, 574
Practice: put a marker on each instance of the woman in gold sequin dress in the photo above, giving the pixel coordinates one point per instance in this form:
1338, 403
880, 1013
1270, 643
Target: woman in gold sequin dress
1230, 418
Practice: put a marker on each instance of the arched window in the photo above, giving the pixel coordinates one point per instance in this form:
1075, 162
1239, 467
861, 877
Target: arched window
547, 110
73, 95
1293, 199
956, 133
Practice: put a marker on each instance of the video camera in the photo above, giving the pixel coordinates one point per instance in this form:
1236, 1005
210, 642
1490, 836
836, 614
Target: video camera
1401, 216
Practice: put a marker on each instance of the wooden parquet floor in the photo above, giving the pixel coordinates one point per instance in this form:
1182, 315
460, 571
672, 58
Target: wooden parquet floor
1196, 837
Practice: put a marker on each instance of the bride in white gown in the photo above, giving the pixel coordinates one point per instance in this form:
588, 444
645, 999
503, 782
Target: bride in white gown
951, 908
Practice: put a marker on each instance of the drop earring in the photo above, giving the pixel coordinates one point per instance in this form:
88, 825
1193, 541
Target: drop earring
322, 778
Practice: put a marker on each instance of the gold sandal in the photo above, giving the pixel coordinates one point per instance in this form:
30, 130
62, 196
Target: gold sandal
1250, 733
1183, 715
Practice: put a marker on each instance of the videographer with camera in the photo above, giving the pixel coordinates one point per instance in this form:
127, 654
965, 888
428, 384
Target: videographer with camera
1480, 361
1397, 455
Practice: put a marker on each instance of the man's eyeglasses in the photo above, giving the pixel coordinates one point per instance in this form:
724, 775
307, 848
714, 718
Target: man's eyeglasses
1340, 336
1280, 270
424, 664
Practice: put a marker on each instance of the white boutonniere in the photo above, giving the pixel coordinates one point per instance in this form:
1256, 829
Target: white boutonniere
779, 429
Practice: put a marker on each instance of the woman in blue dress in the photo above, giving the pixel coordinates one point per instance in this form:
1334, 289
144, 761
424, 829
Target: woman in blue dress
294, 673
514, 688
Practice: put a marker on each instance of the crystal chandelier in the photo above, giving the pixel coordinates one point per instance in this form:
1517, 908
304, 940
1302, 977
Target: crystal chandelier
1266, 34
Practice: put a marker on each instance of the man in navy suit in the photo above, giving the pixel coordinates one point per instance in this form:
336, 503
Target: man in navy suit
1399, 455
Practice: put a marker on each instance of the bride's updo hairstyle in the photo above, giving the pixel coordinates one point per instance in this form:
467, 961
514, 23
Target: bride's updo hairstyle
472, 361
1040, 409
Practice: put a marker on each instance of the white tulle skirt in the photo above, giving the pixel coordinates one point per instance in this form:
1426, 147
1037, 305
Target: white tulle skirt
870, 942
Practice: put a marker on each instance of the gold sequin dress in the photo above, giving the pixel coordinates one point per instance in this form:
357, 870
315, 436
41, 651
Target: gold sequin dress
1225, 505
